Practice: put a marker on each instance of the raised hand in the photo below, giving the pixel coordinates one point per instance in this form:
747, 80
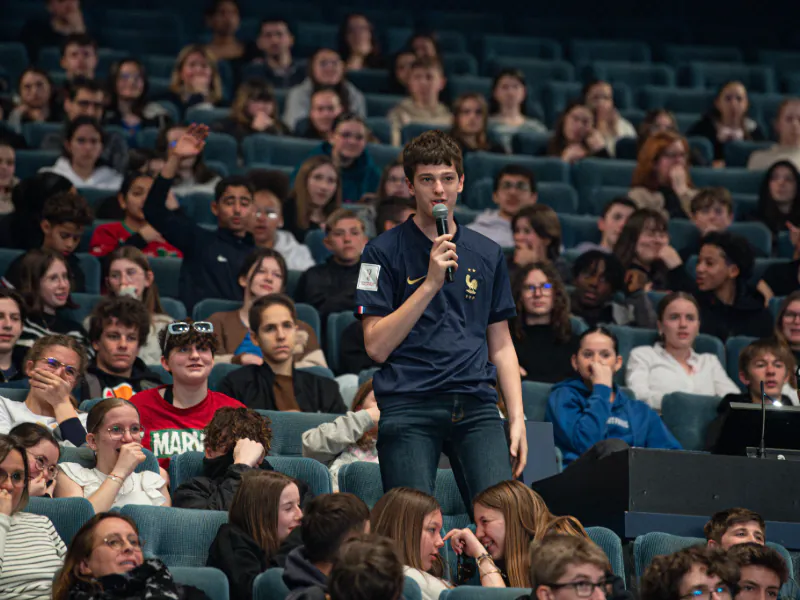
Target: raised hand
191, 143
463, 541
601, 374
130, 457
52, 388
248, 452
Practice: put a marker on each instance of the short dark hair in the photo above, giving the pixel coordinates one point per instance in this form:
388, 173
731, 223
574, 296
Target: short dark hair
202, 340
367, 567
328, 520
263, 303
601, 329
340, 214
128, 312
129, 180
270, 180
82, 83
231, 181
758, 555
709, 196
77, 39
736, 248
619, 201
517, 171
67, 207
662, 579
723, 520
213, 7
773, 345
274, 19
14, 295
391, 209
591, 260
229, 424
428, 62
432, 147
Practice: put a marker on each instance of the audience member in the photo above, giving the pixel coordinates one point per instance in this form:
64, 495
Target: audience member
236, 441
22, 228
223, 19
173, 416
129, 274
762, 571
366, 568
599, 279
590, 408
733, 526
80, 163
509, 518
329, 521
400, 72
575, 137
64, 19
330, 287
424, 44
211, 259
656, 120
426, 81
787, 326
275, 41
44, 284
349, 438
610, 224
195, 79
317, 193
711, 209
470, 124
691, 572
779, 198
358, 44
276, 384
79, 56
118, 328
54, 365
598, 96
514, 190
192, 174
254, 110
542, 332
568, 567
129, 106
12, 316
36, 99
507, 116
641, 247
264, 515
393, 211
661, 179
269, 235
32, 552
537, 238
43, 453
325, 107
727, 120
115, 436
8, 180
393, 182
671, 364
787, 126
133, 229
325, 69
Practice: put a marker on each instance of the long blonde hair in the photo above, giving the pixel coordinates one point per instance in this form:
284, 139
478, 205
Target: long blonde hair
176, 84
300, 191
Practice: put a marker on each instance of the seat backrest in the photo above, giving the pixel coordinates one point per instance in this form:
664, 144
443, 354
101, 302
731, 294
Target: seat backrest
476, 592
183, 467
270, 586
733, 348
207, 307
17, 394
85, 457
337, 323
534, 399
180, 537
313, 472
611, 545
688, 416
208, 579
308, 314
219, 372
166, 272
288, 429
67, 514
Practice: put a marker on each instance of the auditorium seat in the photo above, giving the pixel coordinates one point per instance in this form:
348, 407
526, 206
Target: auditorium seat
379, 105
683, 235
383, 154
635, 75
223, 148
534, 69
599, 197
758, 234
211, 581
682, 54
67, 514
449, 40
676, 100
28, 162
17, 394
509, 45
688, 416
592, 173
534, 399
219, 372
166, 274
311, 35
207, 307
482, 165
315, 240
14, 57
467, 84
702, 146
737, 153
288, 429
337, 322
277, 149
412, 130
380, 128
459, 63
529, 143
611, 544
711, 75
85, 457
369, 81
35, 132
578, 228
733, 347
476, 592
588, 51
737, 180
270, 586
559, 196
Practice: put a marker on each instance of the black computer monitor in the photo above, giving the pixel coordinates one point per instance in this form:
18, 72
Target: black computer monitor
742, 429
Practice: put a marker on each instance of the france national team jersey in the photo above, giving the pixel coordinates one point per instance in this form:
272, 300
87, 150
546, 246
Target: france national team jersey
446, 351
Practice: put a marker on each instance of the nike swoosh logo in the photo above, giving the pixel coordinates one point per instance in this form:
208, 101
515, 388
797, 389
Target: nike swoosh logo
410, 281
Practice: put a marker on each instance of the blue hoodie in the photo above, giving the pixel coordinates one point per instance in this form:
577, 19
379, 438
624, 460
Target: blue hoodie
582, 417
362, 177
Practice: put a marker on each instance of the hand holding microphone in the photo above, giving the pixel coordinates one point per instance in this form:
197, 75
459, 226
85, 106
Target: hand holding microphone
444, 260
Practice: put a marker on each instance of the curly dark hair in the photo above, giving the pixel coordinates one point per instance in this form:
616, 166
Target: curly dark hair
559, 318
128, 312
662, 579
231, 424
432, 148
67, 207
756, 555
191, 337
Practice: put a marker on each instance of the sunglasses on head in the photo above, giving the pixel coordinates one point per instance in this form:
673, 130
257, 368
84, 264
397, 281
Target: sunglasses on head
179, 328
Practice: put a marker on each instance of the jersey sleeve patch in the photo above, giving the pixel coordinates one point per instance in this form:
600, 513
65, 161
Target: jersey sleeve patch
368, 277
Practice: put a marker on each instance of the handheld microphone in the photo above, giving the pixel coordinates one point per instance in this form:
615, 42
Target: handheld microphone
762, 451
440, 214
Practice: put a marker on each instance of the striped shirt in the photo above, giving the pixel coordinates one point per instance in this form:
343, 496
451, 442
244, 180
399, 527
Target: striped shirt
31, 552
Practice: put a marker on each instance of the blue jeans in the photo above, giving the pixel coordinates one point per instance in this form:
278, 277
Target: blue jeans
413, 433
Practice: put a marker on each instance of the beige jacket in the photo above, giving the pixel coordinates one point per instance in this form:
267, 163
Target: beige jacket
645, 198
407, 112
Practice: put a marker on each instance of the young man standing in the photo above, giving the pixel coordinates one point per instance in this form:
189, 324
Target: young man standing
12, 357
444, 346
762, 571
733, 526
697, 572
514, 188
275, 41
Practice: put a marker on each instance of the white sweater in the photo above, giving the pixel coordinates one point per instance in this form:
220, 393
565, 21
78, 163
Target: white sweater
31, 552
12, 413
102, 178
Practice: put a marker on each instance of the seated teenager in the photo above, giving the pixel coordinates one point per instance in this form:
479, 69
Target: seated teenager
393, 183
542, 333
537, 238
276, 384
264, 513
32, 552
671, 364
195, 79
693, 572
507, 108
641, 247
358, 43
54, 365
118, 328
192, 174
133, 229
599, 278
317, 193
779, 197
128, 274
590, 408
45, 284
599, 97
174, 416
733, 526
514, 189
762, 571
575, 137
788, 146
729, 305
330, 287
568, 567
712, 209
263, 273
610, 224
425, 83
106, 560
237, 441
115, 436
470, 124
325, 107
43, 452
254, 110
349, 438
367, 568
787, 325
329, 521
392, 211
12, 315
8, 160
509, 517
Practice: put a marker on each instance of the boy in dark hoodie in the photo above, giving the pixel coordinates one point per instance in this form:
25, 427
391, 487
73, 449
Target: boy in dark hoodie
118, 327
589, 409
329, 520
12, 357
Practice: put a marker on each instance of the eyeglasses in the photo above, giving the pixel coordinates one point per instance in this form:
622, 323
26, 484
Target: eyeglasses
583, 589
267, 214
89, 104
703, 593
672, 154
546, 289
115, 432
17, 478
43, 465
179, 328
117, 542
55, 364
790, 316
520, 186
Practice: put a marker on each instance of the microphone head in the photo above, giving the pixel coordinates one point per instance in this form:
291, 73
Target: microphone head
440, 211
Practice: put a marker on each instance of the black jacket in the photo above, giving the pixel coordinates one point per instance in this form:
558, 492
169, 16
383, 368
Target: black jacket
303, 578
253, 386
707, 128
329, 288
211, 259
238, 555
150, 580
100, 384
17, 363
782, 278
